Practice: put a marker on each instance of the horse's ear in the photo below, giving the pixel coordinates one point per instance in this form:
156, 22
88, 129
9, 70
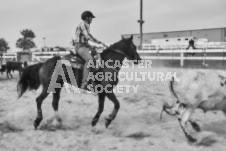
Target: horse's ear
71, 52
123, 37
131, 38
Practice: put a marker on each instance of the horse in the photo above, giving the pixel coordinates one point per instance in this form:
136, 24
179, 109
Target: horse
124, 48
3, 69
11, 66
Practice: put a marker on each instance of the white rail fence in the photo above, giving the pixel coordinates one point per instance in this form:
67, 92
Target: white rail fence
171, 52
12, 55
200, 54
42, 56
183, 45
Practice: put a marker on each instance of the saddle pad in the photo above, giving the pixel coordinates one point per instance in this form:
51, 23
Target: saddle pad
77, 65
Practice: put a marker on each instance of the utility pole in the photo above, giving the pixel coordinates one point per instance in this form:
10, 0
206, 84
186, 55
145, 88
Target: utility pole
141, 21
44, 44
44, 39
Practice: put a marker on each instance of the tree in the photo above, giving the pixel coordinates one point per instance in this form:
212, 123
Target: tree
26, 42
3, 48
28, 34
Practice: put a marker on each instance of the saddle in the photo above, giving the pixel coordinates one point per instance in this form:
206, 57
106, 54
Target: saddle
78, 62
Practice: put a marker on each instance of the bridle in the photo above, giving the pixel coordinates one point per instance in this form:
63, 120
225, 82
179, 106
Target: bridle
118, 51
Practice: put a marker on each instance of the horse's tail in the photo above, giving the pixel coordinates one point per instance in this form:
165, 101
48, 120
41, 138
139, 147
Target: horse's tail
29, 79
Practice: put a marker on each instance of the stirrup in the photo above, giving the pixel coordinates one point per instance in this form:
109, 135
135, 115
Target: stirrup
84, 87
84, 91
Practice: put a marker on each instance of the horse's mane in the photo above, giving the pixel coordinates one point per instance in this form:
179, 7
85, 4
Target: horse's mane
113, 46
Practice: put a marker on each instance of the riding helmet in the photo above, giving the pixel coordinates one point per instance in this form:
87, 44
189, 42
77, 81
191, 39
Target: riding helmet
87, 14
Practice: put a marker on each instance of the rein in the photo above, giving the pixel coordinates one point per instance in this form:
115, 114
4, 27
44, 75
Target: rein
118, 51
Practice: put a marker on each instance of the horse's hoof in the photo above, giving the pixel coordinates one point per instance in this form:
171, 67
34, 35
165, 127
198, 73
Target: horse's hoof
94, 123
36, 123
36, 126
107, 123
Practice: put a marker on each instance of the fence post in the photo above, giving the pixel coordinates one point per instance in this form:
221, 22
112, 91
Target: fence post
204, 57
224, 55
182, 59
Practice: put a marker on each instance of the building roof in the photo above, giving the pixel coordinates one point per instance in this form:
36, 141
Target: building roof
176, 31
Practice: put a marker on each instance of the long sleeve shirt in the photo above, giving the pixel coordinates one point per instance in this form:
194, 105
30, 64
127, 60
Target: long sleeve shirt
83, 35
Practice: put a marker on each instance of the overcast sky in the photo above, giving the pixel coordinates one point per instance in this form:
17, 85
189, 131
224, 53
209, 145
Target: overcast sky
57, 19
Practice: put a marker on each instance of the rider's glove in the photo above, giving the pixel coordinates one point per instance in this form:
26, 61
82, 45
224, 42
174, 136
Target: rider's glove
103, 44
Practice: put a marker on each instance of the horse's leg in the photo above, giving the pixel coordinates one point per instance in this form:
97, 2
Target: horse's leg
55, 103
11, 74
39, 101
101, 97
7, 74
20, 72
112, 116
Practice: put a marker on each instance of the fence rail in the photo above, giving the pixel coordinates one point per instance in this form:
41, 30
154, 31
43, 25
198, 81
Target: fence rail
179, 55
183, 45
203, 55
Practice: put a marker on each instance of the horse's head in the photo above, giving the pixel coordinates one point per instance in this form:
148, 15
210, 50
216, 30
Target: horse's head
126, 47
130, 49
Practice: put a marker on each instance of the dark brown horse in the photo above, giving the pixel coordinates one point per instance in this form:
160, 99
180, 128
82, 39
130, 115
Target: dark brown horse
11, 66
41, 74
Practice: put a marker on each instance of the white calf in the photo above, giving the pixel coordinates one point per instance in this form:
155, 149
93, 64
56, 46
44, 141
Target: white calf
196, 89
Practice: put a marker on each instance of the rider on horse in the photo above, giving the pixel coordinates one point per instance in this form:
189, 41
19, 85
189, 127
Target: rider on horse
82, 46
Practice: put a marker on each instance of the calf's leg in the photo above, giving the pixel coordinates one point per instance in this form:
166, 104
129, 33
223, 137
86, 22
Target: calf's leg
194, 125
183, 118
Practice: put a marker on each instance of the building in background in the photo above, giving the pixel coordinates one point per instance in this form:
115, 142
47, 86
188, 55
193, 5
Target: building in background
212, 34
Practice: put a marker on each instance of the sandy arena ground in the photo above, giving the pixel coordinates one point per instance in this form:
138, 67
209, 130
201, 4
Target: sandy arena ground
136, 128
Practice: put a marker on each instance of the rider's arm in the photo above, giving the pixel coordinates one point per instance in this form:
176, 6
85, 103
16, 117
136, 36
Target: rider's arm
87, 34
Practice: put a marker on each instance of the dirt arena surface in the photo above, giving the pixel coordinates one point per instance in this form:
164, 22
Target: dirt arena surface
137, 126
